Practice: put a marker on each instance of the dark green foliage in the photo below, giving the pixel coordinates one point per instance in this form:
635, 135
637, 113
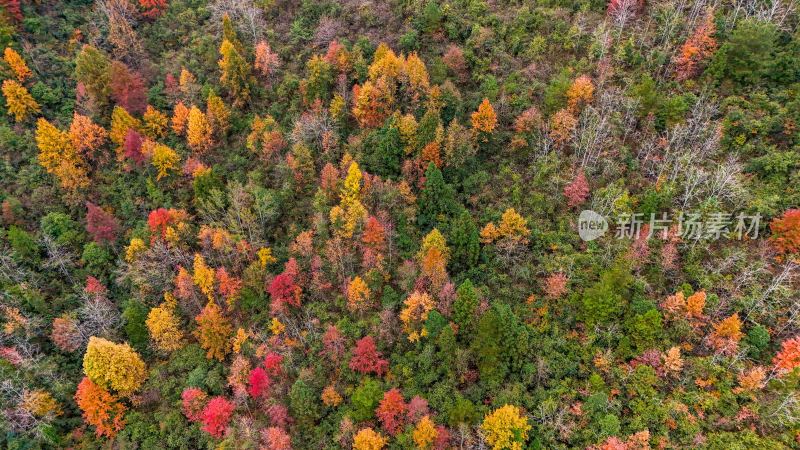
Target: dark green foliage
384, 150
465, 308
436, 201
464, 241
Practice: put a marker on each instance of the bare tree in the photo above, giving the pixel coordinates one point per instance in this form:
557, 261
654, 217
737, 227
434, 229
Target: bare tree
244, 14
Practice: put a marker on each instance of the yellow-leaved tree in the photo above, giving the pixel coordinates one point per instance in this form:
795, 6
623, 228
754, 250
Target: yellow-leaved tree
203, 276
425, 433
484, 120
164, 159
154, 123
358, 295
414, 314
113, 366
505, 428
59, 157
368, 439
198, 131
350, 213
214, 331
17, 64
235, 73
19, 102
164, 325
218, 115
121, 122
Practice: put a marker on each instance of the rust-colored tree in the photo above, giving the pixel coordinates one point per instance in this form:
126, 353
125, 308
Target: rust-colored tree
697, 49
391, 411
786, 232
100, 408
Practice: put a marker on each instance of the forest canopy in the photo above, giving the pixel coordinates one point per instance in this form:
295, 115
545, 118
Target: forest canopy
417, 224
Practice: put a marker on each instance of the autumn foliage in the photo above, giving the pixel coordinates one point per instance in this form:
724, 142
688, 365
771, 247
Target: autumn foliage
506, 428
786, 232
391, 411
697, 49
113, 366
100, 408
366, 357
216, 415
213, 331
19, 102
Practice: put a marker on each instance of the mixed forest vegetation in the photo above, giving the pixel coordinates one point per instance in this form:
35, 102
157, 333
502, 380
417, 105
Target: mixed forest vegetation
297, 224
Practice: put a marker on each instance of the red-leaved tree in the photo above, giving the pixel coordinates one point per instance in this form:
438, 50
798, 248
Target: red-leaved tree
392, 411
366, 357
577, 191
216, 415
153, 8
258, 382
100, 224
193, 400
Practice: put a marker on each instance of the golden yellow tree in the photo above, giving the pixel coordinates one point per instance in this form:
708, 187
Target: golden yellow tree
121, 122
350, 213
358, 295
425, 433
198, 131
484, 120
505, 428
218, 115
113, 366
164, 159
19, 102
513, 229
203, 276
17, 64
235, 72
154, 123
40, 404
59, 157
134, 249
164, 326
414, 314
213, 331
368, 439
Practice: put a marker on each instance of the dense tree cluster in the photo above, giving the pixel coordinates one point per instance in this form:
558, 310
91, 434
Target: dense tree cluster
302, 225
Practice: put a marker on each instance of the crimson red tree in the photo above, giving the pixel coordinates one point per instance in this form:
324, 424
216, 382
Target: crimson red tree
366, 357
216, 415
